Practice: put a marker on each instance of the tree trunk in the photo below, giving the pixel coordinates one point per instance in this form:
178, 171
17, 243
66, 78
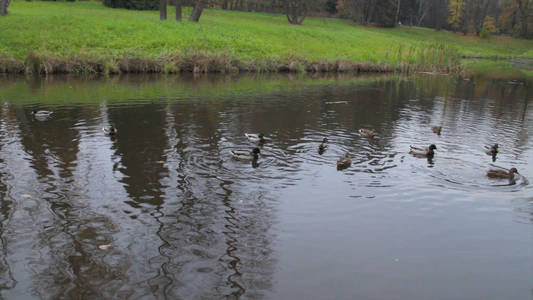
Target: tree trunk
197, 11
178, 10
162, 10
399, 4
295, 11
522, 14
480, 15
370, 15
3, 7
422, 12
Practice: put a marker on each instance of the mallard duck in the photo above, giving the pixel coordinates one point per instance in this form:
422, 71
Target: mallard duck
502, 173
423, 152
436, 129
41, 113
245, 154
367, 133
256, 137
110, 130
322, 147
492, 150
344, 162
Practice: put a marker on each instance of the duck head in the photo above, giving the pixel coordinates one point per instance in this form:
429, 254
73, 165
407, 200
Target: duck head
256, 151
495, 148
325, 140
432, 147
261, 136
513, 171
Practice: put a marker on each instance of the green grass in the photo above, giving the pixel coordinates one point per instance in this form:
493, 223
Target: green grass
487, 69
92, 31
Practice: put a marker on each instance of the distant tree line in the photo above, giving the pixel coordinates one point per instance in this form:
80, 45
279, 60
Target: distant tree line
480, 17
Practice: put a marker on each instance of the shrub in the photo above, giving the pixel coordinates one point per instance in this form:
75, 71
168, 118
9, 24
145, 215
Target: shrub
484, 34
490, 25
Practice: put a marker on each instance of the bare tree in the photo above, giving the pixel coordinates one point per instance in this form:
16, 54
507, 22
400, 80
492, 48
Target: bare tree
423, 9
197, 11
178, 9
296, 11
398, 6
162, 10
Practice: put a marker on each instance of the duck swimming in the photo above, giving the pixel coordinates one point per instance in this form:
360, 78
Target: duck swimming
502, 173
423, 152
322, 147
41, 114
245, 154
436, 129
367, 133
110, 130
344, 162
256, 137
492, 150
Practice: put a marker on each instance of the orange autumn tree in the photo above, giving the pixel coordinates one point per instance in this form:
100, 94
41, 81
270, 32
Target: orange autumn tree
490, 25
456, 14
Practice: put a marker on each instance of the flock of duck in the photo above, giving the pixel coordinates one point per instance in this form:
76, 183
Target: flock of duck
344, 161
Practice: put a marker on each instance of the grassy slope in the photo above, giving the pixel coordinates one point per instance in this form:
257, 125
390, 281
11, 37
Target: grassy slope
88, 28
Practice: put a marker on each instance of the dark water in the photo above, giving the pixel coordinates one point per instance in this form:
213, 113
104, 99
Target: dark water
183, 220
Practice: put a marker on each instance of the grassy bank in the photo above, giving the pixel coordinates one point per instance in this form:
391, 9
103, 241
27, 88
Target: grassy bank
486, 69
86, 37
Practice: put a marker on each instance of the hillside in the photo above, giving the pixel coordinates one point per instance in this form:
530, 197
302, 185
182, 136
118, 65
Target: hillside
38, 31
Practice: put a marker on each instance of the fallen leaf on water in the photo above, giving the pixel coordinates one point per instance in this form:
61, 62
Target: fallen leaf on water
104, 247
25, 196
160, 161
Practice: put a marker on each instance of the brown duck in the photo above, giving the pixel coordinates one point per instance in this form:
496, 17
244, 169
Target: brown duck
502, 173
436, 129
344, 162
322, 147
367, 133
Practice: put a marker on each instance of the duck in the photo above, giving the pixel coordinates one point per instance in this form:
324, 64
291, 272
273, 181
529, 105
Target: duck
492, 150
245, 154
110, 130
423, 152
344, 162
322, 147
436, 129
502, 173
367, 133
256, 137
41, 113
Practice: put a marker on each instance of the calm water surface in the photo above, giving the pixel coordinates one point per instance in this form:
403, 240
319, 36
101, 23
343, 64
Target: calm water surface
183, 220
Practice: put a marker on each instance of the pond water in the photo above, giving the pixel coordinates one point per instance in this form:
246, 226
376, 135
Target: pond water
161, 210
